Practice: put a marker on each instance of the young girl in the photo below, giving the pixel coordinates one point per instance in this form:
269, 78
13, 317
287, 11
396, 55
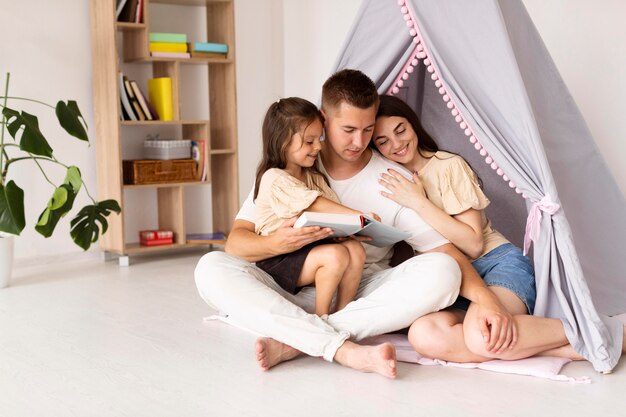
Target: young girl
288, 183
445, 192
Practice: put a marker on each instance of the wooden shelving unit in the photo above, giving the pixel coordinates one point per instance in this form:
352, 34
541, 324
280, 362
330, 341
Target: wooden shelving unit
219, 130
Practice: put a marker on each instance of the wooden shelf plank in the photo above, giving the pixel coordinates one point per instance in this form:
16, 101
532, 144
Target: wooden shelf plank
166, 184
150, 60
163, 122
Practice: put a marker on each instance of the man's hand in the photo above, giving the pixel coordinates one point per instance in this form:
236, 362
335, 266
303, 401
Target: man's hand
496, 324
287, 239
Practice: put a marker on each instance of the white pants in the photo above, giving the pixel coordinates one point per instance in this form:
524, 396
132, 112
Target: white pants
388, 300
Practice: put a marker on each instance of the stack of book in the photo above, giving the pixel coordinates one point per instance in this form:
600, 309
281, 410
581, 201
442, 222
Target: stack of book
129, 11
168, 45
208, 50
133, 103
156, 237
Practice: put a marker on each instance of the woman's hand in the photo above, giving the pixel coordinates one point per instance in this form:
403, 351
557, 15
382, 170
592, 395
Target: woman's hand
408, 193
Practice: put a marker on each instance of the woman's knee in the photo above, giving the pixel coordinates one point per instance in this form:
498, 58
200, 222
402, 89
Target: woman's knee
431, 335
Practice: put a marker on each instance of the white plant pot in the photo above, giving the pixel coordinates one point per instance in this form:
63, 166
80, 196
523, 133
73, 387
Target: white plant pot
6, 259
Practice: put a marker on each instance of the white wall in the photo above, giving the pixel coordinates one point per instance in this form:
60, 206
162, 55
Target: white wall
284, 47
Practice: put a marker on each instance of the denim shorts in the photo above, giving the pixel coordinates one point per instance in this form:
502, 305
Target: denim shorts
506, 267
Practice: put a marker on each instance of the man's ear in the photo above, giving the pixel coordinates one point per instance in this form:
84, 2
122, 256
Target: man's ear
323, 114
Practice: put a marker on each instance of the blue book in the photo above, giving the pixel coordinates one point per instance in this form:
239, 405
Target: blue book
220, 48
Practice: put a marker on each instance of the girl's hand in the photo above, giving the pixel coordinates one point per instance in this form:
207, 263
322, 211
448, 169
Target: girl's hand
402, 190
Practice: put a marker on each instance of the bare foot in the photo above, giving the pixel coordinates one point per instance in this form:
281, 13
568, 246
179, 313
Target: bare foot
270, 352
380, 359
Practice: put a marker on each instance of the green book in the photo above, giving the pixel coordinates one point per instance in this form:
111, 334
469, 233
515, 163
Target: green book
168, 37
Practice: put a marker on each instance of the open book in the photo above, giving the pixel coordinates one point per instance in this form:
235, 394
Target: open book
353, 224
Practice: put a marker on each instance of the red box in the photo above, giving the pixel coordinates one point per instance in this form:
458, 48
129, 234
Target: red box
156, 237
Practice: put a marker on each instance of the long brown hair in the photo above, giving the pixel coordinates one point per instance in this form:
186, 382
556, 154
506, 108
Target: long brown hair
283, 119
391, 106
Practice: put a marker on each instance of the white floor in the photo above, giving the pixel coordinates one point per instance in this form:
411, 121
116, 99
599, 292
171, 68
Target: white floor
88, 338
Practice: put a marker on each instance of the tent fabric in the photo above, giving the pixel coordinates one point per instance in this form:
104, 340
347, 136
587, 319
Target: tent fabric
483, 83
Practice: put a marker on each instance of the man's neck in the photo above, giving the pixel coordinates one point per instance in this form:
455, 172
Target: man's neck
339, 169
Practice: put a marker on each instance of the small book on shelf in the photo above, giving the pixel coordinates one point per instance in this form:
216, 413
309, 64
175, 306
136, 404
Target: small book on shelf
128, 11
180, 55
220, 48
204, 238
143, 103
129, 113
156, 237
167, 37
167, 47
353, 224
133, 100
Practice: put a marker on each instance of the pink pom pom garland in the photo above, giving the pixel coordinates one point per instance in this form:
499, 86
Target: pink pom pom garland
421, 52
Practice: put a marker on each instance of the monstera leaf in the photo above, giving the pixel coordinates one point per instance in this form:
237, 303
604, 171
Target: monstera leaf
11, 209
59, 205
85, 229
32, 140
70, 119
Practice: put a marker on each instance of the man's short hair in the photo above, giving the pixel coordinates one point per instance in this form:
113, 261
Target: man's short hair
351, 86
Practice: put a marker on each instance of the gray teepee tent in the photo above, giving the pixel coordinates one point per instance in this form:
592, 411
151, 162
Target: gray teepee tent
483, 83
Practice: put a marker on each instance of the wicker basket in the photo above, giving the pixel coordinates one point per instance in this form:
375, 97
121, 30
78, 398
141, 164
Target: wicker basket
148, 171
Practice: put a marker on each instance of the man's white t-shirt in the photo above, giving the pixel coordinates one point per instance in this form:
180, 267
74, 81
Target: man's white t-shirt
362, 192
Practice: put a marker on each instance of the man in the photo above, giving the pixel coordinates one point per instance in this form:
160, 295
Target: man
388, 298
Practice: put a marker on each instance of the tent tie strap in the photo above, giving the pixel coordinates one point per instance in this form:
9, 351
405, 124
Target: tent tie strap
533, 223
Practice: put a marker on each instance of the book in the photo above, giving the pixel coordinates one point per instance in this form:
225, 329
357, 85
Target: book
353, 224
128, 108
195, 54
205, 238
168, 37
160, 97
120, 6
141, 99
129, 11
170, 54
139, 13
133, 100
156, 237
221, 48
167, 47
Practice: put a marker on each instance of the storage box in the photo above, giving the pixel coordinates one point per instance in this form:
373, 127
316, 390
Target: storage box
167, 149
147, 171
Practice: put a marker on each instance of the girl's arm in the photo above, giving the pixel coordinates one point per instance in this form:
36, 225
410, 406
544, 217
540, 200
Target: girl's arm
324, 205
464, 230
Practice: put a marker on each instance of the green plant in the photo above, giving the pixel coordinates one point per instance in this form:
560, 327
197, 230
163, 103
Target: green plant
29, 143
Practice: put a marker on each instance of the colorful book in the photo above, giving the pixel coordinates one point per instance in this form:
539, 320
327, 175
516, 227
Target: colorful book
141, 99
133, 100
156, 237
221, 48
168, 37
160, 97
119, 8
195, 54
167, 47
128, 108
203, 238
129, 11
182, 55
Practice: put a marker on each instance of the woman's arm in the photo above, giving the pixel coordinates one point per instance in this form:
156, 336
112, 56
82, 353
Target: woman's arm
464, 230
